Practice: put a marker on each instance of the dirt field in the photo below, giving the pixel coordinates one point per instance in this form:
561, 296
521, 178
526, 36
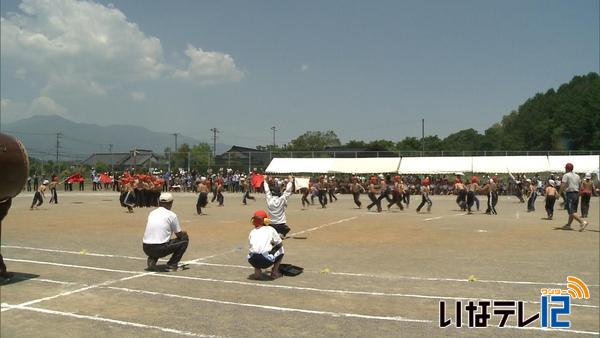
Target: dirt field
80, 270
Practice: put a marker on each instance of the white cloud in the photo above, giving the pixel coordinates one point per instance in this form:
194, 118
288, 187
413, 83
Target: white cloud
209, 67
42, 105
11, 111
304, 67
82, 47
138, 96
82, 41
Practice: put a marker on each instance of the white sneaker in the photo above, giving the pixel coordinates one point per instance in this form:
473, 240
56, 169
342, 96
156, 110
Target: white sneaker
583, 226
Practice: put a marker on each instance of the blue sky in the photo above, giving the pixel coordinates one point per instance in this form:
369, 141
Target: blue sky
365, 69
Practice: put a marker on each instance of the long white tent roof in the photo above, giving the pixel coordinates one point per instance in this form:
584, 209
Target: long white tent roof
365, 165
300, 165
334, 165
435, 165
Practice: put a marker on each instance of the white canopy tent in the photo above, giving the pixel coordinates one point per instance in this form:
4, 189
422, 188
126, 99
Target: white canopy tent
581, 163
300, 165
513, 164
434, 165
365, 165
334, 165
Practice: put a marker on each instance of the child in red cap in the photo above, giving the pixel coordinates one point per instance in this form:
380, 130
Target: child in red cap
266, 247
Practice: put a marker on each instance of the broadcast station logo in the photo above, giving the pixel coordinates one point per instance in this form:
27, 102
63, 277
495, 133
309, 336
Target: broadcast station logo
554, 302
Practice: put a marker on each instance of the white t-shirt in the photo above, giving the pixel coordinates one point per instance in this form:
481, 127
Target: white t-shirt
263, 239
162, 223
572, 181
276, 204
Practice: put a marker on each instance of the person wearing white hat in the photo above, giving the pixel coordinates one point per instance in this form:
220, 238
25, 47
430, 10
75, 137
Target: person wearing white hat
587, 189
158, 242
38, 197
551, 196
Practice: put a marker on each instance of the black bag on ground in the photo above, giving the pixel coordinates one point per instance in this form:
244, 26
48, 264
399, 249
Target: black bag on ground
290, 270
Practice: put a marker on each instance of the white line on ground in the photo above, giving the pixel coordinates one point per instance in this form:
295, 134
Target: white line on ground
274, 286
102, 319
137, 274
196, 262
69, 265
43, 280
275, 308
71, 252
330, 313
324, 225
432, 218
349, 292
67, 293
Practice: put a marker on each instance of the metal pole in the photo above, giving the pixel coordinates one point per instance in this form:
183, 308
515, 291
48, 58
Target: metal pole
189, 160
249, 161
274, 130
112, 164
175, 134
169, 158
58, 135
215, 131
422, 136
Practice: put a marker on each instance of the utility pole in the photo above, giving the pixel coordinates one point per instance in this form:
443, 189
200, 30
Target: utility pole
274, 130
422, 137
175, 134
174, 150
112, 164
215, 131
58, 136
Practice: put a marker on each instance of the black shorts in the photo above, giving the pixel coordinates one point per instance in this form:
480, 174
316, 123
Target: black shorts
281, 228
261, 262
571, 201
202, 199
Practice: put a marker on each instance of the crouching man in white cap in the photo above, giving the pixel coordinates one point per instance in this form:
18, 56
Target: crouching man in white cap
157, 243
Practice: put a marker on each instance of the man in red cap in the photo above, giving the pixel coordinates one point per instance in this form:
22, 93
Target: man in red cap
425, 195
374, 190
396, 193
266, 247
472, 188
570, 185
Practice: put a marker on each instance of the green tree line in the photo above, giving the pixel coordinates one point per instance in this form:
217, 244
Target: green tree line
564, 119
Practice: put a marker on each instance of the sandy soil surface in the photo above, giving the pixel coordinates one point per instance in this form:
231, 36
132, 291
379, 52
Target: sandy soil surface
80, 270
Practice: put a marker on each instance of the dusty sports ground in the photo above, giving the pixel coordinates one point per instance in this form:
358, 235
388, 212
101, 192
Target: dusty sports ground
80, 270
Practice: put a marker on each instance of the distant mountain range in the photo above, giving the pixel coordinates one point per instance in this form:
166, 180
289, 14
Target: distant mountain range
79, 140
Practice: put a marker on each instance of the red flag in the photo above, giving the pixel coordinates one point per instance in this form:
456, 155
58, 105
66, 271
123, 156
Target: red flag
257, 180
75, 178
105, 178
